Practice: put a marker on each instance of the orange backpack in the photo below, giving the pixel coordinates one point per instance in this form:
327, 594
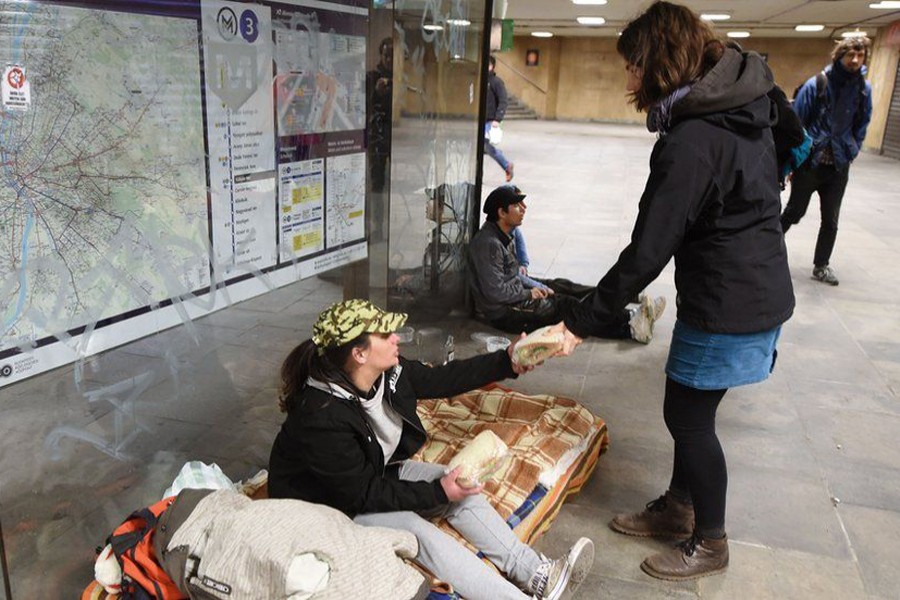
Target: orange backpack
143, 578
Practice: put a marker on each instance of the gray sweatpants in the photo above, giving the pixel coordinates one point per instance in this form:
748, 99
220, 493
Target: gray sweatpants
449, 560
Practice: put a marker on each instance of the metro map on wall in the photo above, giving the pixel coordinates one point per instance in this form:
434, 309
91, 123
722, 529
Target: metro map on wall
139, 170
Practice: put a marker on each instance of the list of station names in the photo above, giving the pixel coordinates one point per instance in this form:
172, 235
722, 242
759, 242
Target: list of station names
238, 59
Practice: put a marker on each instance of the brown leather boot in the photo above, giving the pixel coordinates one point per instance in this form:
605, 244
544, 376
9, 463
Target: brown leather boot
691, 559
664, 517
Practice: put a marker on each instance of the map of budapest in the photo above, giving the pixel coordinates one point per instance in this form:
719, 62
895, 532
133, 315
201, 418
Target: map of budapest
103, 196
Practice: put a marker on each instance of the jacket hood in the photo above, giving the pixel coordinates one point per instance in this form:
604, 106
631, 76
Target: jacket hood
732, 94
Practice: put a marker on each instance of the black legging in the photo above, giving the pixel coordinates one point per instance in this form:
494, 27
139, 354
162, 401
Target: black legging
699, 472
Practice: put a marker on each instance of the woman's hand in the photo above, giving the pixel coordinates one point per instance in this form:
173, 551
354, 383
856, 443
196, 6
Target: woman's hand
454, 491
516, 367
570, 340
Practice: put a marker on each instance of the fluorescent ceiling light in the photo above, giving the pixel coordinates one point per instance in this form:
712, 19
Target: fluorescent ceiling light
715, 17
544, 34
594, 2
591, 20
852, 34
433, 27
886, 4
460, 22
809, 28
738, 34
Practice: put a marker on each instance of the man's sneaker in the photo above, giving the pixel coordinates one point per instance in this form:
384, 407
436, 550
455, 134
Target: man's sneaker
643, 318
665, 517
509, 172
825, 275
558, 579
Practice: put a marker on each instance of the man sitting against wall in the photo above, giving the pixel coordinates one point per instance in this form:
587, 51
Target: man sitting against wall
513, 303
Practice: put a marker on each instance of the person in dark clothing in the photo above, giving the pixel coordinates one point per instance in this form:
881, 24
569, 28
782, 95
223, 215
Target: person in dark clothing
379, 93
508, 302
379, 103
712, 202
347, 442
835, 107
496, 105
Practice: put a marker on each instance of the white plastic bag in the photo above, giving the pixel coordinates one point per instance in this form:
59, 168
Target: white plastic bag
495, 134
196, 475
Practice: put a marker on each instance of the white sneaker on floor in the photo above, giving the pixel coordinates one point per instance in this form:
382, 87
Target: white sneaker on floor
558, 579
643, 318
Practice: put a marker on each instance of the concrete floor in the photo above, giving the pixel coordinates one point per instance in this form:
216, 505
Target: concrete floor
814, 499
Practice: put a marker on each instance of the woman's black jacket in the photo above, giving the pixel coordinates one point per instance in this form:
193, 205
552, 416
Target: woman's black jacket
712, 201
327, 453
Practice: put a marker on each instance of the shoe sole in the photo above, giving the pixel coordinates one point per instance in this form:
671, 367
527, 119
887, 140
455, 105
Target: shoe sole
653, 573
647, 534
580, 559
833, 284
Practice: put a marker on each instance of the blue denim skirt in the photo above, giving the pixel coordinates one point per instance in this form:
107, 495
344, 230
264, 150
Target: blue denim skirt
716, 361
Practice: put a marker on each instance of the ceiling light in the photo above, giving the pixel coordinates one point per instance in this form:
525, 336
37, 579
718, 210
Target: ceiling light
595, 2
543, 34
886, 4
852, 34
433, 27
591, 20
738, 34
715, 17
460, 22
809, 28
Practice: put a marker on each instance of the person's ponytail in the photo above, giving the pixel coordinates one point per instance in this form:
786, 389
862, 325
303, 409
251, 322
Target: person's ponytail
306, 362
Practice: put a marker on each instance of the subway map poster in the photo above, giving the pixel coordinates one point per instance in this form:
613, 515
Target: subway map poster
141, 168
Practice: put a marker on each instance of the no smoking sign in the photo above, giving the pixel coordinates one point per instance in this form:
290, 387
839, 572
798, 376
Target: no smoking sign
16, 89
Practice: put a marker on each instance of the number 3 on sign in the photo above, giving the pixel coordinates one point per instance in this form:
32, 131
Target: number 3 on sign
249, 26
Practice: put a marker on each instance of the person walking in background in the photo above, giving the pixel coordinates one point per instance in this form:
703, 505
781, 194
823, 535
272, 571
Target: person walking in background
835, 106
497, 102
711, 201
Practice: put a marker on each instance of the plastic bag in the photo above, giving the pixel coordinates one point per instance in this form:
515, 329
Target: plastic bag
196, 475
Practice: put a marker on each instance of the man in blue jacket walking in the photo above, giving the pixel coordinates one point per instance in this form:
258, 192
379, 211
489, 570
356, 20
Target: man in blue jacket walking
835, 106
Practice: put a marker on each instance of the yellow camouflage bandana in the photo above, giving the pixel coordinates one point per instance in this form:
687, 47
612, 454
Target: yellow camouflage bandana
345, 321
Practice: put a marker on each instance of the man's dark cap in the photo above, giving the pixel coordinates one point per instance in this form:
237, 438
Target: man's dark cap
502, 197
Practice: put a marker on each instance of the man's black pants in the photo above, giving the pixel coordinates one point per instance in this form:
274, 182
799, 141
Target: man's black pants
830, 183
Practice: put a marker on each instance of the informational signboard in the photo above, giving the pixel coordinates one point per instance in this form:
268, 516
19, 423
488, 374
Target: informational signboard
163, 159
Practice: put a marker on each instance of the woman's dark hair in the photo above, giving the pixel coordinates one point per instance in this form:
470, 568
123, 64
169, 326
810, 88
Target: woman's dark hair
672, 46
304, 362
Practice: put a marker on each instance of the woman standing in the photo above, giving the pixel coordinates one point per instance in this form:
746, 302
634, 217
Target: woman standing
351, 429
712, 202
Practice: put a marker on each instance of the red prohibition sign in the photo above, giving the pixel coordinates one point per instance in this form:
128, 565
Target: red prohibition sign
16, 78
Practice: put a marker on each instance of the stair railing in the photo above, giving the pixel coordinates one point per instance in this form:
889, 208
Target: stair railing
522, 76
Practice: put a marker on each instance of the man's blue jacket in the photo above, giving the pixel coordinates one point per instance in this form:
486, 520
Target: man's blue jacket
834, 120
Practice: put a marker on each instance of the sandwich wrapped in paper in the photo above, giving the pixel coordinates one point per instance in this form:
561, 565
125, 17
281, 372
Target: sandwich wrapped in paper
538, 346
480, 459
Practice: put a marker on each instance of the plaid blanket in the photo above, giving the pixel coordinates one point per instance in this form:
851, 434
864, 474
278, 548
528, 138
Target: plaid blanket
540, 431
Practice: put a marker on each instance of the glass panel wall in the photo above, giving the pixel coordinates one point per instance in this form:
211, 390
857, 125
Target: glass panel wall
436, 134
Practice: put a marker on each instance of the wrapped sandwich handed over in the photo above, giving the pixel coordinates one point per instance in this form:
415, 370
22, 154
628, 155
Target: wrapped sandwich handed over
538, 346
480, 459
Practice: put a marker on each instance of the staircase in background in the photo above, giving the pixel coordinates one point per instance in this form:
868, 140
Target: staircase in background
518, 110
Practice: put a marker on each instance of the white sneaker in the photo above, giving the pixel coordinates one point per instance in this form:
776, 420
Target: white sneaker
580, 559
643, 318
558, 579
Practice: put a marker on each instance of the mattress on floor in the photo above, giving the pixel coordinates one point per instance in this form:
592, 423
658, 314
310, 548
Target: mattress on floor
555, 443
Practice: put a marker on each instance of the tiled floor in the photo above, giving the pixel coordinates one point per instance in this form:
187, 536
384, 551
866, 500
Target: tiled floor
814, 503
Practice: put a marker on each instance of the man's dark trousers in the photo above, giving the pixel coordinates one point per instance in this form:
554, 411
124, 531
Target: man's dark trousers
830, 182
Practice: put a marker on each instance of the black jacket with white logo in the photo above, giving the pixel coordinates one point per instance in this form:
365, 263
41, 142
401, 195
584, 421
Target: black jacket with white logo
326, 452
